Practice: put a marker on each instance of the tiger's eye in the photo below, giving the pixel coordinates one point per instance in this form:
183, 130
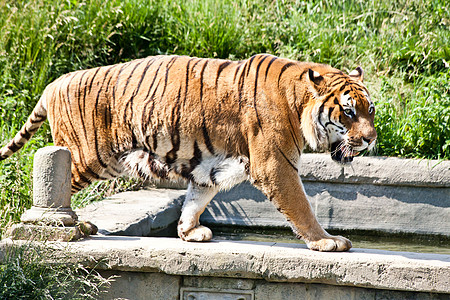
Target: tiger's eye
348, 112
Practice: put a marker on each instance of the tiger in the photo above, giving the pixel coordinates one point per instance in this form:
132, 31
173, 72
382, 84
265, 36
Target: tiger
211, 122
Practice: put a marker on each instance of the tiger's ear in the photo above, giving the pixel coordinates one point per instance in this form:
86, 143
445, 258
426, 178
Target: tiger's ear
315, 77
357, 74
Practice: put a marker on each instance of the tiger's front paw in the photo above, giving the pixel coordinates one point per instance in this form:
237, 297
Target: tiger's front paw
197, 234
330, 243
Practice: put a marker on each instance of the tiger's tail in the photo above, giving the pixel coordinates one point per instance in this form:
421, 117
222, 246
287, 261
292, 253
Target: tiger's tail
34, 122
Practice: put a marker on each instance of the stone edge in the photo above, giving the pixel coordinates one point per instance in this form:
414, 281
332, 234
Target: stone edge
376, 170
273, 262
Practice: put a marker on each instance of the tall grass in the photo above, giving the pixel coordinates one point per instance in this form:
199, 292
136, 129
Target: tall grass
403, 46
26, 274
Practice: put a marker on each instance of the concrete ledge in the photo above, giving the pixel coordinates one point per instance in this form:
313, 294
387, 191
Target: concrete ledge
376, 193
377, 170
273, 262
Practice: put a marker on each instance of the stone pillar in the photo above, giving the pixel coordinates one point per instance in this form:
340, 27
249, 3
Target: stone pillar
51, 188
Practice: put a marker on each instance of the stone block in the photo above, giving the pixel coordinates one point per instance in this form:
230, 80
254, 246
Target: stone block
135, 285
138, 213
51, 188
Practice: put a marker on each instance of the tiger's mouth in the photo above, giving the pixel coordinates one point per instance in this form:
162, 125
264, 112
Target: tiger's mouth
342, 153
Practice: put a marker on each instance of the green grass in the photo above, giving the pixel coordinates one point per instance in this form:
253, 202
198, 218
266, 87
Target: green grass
403, 46
25, 274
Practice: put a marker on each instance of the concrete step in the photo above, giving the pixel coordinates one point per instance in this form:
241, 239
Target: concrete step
380, 194
139, 213
267, 270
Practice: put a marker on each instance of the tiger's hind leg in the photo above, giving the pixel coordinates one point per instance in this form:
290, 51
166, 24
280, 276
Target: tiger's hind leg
197, 198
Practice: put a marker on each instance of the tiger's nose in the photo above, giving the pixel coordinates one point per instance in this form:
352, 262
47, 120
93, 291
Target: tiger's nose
368, 140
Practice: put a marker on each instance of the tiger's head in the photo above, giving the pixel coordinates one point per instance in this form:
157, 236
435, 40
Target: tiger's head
340, 115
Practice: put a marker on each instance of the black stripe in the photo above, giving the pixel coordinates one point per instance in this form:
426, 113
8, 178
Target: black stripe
296, 108
82, 100
100, 90
268, 66
285, 157
220, 69
330, 111
207, 139
134, 141
294, 138
250, 63
187, 79
236, 72
26, 135
241, 86
193, 163
155, 140
92, 79
321, 108
97, 150
76, 140
131, 75
147, 146
68, 90
108, 116
117, 80
168, 66
212, 175
76, 186
110, 77
194, 65
145, 123
172, 156
37, 120
80, 81
206, 136
136, 91
336, 83
283, 69
153, 81
255, 89
201, 80
106, 74
14, 147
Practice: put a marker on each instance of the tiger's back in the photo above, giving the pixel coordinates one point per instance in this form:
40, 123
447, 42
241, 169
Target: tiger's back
155, 116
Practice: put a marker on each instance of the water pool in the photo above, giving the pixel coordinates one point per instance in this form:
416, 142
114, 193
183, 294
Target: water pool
371, 240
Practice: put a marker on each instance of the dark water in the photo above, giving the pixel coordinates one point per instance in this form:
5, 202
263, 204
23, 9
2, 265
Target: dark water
382, 241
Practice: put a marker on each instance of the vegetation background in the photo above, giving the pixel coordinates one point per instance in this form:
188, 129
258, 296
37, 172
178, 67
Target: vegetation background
403, 46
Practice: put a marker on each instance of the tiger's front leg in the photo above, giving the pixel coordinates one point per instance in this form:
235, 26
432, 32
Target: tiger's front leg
197, 198
275, 173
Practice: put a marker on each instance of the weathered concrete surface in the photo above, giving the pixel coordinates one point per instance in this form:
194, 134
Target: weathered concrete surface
384, 194
263, 290
140, 285
341, 206
139, 213
375, 193
160, 286
377, 170
272, 262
